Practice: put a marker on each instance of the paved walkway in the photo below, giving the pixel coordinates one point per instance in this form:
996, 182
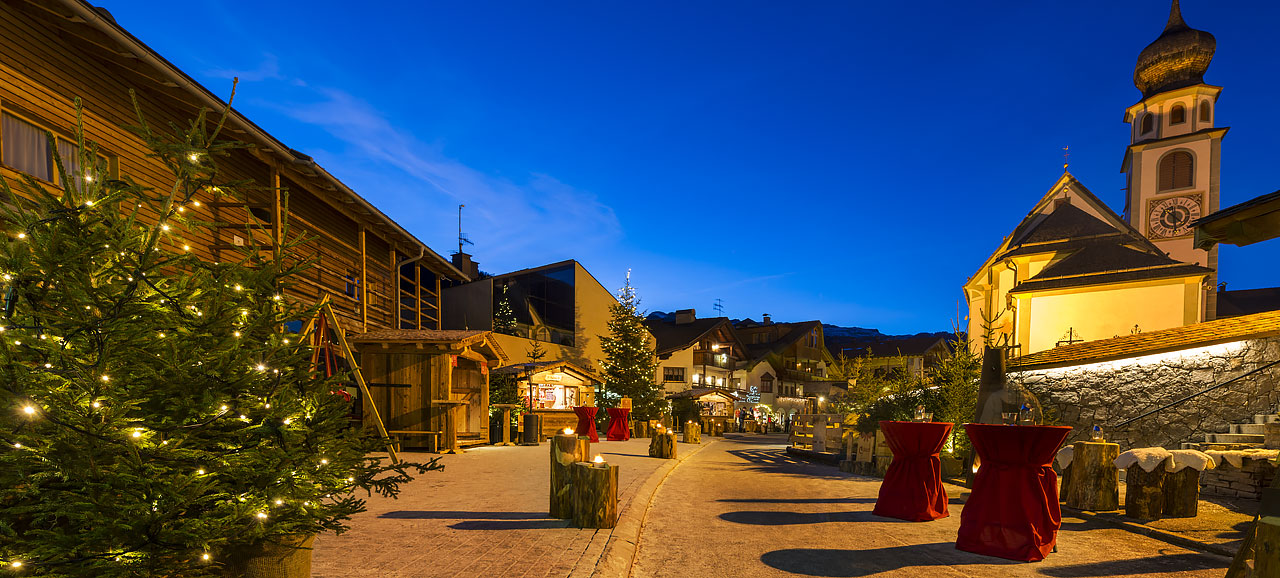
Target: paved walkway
742, 507
485, 514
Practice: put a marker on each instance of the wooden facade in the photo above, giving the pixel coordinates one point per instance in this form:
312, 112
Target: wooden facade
378, 275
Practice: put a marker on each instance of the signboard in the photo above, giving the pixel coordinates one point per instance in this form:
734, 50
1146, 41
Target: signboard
753, 394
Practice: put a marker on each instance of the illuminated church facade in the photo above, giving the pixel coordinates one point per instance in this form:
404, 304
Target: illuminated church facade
1075, 270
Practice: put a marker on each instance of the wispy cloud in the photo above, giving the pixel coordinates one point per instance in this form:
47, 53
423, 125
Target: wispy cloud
268, 69
521, 220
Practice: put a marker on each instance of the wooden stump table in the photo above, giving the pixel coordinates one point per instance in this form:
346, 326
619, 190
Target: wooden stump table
1182, 483
1094, 480
595, 495
692, 433
663, 445
506, 422
449, 433
566, 450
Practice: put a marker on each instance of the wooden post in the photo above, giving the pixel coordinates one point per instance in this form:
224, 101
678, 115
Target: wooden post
1182, 493
1064, 484
692, 432
532, 430
1095, 481
566, 449
1143, 492
663, 445
595, 495
506, 422
819, 433
449, 433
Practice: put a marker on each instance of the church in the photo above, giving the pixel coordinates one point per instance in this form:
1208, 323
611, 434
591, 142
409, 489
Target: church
1075, 270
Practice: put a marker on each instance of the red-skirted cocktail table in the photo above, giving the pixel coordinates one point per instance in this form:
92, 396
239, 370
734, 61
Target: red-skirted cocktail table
1013, 510
912, 488
587, 422
619, 430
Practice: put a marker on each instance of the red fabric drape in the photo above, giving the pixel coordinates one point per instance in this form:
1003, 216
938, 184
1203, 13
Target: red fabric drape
1013, 511
618, 427
912, 488
586, 422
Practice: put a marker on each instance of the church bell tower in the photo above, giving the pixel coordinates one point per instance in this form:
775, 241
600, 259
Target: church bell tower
1173, 160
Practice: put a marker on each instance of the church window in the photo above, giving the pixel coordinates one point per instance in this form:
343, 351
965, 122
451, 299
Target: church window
1204, 111
1175, 171
1178, 114
1148, 123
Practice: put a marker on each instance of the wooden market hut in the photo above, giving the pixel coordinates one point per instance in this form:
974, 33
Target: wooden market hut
430, 386
553, 389
715, 404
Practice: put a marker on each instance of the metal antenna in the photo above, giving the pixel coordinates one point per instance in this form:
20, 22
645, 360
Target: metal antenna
462, 237
719, 307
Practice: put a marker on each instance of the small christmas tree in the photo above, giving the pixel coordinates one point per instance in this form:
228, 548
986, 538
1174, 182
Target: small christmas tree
154, 416
504, 318
630, 366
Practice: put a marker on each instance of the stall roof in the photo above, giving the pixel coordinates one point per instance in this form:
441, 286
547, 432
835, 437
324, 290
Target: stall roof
699, 392
440, 337
526, 370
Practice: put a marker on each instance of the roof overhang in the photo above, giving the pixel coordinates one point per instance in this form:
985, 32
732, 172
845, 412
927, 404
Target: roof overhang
476, 345
1243, 224
1207, 89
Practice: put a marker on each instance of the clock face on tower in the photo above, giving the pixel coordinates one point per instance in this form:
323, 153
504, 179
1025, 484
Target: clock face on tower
1172, 217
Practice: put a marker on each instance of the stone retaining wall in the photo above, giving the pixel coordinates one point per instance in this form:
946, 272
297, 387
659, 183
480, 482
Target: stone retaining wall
1110, 392
1243, 482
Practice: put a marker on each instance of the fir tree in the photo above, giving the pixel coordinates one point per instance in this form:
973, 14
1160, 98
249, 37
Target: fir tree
504, 319
153, 414
630, 366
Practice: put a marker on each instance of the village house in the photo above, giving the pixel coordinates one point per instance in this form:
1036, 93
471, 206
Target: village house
378, 276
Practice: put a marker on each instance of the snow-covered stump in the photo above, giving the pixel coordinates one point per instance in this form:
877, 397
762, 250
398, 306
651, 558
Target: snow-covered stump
1182, 485
1145, 471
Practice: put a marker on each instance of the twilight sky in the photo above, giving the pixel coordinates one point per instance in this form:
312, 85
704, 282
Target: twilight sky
852, 162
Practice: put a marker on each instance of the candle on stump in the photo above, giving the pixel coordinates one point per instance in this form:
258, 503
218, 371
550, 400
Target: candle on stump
566, 449
599, 461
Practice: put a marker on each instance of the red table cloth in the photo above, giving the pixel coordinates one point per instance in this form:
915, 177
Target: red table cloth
619, 429
1013, 510
586, 422
912, 487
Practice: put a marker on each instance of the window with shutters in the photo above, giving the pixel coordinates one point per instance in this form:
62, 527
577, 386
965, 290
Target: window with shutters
1205, 113
1148, 123
1175, 171
1178, 114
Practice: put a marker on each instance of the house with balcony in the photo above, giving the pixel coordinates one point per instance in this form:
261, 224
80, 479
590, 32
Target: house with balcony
786, 363
695, 353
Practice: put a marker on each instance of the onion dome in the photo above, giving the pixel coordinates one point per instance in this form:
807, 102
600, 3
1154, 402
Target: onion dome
1177, 59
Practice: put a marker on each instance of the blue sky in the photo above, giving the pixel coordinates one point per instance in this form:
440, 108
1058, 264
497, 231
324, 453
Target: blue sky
852, 162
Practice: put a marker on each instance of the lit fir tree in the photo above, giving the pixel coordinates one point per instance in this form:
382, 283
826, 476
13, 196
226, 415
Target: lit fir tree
630, 365
504, 318
154, 417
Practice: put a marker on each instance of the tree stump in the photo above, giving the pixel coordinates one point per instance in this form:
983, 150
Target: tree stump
663, 445
532, 430
1095, 481
595, 495
1181, 493
566, 449
640, 429
1143, 492
692, 433
1064, 484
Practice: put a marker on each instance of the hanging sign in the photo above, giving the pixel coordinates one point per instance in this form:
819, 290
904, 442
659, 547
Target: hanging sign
753, 394
454, 360
484, 368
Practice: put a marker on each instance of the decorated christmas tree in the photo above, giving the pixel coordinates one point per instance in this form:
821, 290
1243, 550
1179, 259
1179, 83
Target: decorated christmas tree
155, 418
630, 366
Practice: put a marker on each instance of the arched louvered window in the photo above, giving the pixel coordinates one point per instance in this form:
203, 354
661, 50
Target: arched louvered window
1176, 170
1178, 114
1205, 114
1148, 123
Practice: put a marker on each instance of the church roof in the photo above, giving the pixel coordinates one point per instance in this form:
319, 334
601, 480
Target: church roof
1178, 58
1065, 222
1108, 262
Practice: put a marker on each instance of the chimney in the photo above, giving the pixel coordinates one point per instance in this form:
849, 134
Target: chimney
767, 320
464, 263
686, 316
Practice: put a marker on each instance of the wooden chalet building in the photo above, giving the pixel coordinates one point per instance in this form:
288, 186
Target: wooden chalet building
695, 353
378, 276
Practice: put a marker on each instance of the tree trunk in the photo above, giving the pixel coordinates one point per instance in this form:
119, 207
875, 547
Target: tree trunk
1182, 493
595, 495
1095, 482
565, 450
1143, 492
663, 445
692, 433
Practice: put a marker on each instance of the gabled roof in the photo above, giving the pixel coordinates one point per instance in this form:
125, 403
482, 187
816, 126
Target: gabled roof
1106, 262
676, 336
441, 338
698, 392
1248, 301
526, 370
1053, 227
907, 347
1227, 330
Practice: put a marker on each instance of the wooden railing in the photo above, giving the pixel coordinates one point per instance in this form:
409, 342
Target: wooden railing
823, 432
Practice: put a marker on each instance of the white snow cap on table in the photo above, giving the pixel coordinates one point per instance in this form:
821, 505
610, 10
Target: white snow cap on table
1064, 456
1146, 458
1237, 457
1194, 459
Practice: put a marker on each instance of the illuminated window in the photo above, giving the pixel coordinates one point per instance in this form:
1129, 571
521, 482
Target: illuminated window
1178, 114
766, 383
673, 374
1175, 171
